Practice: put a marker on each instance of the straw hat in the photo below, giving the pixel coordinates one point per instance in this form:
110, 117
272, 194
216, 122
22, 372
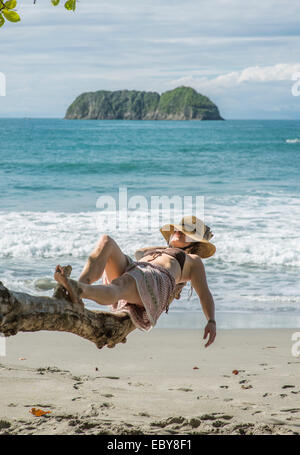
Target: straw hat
195, 229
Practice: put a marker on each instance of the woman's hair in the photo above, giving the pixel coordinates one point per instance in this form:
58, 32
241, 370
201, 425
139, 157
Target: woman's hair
193, 248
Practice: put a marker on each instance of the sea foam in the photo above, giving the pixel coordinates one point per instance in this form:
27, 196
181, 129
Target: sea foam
292, 141
248, 230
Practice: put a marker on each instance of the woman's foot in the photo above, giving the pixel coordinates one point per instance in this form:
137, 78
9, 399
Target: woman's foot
71, 286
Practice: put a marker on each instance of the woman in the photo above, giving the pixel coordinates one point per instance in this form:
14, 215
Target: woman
145, 288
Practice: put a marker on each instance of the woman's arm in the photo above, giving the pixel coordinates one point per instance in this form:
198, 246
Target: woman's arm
199, 283
142, 251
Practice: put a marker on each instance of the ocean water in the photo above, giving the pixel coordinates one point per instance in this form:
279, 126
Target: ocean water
52, 172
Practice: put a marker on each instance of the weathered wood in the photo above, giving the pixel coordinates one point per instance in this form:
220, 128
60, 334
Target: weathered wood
21, 312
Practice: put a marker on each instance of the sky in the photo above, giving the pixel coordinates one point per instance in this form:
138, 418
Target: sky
242, 55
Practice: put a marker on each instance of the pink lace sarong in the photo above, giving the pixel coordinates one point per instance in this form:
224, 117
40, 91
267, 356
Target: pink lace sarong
156, 287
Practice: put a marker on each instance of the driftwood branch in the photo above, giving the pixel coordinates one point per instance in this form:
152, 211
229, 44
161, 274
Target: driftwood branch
21, 312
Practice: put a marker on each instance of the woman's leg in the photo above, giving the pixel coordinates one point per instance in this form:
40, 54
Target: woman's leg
123, 287
106, 256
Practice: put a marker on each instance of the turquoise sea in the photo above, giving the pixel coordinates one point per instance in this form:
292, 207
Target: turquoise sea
52, 172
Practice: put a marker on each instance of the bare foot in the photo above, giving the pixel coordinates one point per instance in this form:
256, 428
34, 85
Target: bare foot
72, 287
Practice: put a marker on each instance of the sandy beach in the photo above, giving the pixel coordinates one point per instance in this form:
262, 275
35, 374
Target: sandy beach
163, 382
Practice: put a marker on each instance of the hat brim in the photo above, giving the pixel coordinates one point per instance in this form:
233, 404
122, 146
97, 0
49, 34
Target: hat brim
206, 249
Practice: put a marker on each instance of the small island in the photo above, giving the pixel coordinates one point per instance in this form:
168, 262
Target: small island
182, 103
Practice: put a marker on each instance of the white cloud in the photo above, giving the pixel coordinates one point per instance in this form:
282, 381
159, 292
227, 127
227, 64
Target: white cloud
209, 40
279, 72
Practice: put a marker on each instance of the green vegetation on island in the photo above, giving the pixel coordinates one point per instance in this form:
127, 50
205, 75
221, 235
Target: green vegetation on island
182, 103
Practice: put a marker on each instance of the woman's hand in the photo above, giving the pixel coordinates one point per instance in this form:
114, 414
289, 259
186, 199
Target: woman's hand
210, 330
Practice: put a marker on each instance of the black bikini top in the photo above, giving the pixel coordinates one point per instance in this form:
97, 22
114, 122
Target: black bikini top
176, 253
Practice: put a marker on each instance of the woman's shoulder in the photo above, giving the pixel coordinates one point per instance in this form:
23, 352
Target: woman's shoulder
194, 258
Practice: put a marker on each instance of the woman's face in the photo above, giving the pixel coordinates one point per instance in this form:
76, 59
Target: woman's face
179, 239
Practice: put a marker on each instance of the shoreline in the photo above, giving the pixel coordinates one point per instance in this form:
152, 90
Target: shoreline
226, 320
162, 382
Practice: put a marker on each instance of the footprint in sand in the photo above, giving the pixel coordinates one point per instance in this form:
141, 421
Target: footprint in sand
208, 417
91, 411
169, 421
194, 422
76, 385
242, 428
40, 405
106, 405
183, 389
292, 410
144, 414
219, 424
